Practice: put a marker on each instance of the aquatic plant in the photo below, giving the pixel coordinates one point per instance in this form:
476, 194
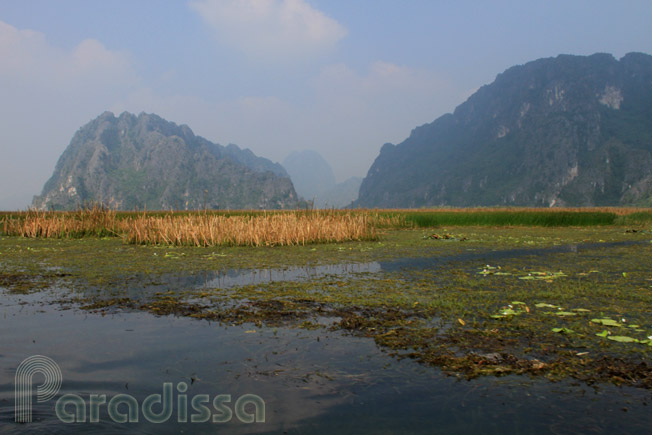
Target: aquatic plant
266, 230
91, 220
259, 227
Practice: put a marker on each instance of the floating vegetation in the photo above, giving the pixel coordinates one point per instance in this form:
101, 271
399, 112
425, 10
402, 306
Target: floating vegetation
563, 330
565, 313
514, 309
545, 276
451, 316
544, 305
446, 236
606, 322
492, 270
622, 339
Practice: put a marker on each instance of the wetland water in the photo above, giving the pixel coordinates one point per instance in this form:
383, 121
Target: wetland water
243, 277
236, 278
311, 380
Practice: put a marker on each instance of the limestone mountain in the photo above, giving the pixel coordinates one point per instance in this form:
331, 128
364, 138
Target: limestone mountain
342, 194
310, 173
564, 131
314, 180
145, 161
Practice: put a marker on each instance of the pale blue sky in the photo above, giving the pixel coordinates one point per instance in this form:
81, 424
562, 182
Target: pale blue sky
338, 76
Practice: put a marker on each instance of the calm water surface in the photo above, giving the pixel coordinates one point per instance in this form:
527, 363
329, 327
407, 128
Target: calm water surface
310, 381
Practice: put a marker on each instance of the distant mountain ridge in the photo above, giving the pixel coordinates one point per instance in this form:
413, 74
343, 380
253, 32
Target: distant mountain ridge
342, 194
145, 161
314, 180
310, 173
564, 131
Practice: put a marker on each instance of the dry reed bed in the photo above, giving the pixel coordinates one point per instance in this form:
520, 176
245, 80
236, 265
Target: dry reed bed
97, 221
261, 228
288, 228
276, 229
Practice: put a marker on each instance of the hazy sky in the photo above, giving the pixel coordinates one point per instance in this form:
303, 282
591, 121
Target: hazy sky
338, 76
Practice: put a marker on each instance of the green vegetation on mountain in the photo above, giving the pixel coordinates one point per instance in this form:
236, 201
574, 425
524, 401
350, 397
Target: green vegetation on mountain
564, 131
146, 162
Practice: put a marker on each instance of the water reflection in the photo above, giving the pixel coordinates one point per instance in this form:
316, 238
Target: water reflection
489, 256
242, 277
144, 287
312, 381
236, 278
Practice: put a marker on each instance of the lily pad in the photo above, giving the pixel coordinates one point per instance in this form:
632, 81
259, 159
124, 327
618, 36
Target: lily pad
604, 333
622, 339
547, 276
506, 312
563, 330
606, 322
542, 305
565, 313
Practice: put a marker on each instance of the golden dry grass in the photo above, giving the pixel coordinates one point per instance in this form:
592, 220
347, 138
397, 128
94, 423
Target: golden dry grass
291, 228
198, 229
94, 221
261, 228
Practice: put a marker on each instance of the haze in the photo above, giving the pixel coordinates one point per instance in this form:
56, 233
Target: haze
339, 77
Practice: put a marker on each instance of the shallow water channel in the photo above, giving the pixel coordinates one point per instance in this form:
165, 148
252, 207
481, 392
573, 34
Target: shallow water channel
223, 279
310, 381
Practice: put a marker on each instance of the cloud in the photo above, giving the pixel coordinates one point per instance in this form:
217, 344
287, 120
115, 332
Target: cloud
344, 114
260, 123
271, 29
347, 114
47, 93
354, 112
27, 57
381, 78
390, 98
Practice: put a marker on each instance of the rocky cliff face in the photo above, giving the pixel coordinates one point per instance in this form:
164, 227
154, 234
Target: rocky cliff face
564, 131
146, 162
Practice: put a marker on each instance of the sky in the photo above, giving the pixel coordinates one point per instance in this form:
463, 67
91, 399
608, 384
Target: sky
341, 77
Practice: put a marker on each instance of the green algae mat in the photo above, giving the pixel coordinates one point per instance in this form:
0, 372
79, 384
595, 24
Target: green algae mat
558, 303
